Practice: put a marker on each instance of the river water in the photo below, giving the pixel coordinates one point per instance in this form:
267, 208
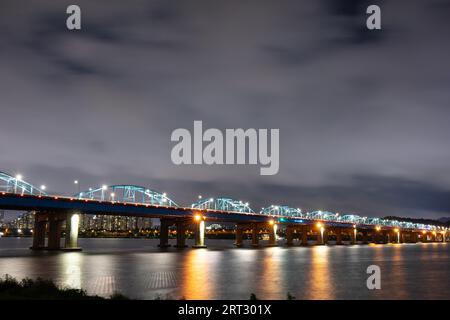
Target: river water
139, 269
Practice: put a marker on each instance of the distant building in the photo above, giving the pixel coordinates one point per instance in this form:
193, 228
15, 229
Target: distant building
91, 222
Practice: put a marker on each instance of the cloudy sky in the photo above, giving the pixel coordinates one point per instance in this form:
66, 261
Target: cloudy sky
364, 116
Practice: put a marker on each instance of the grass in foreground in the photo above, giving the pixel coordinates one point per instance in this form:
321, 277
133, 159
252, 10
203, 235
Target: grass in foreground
40, 289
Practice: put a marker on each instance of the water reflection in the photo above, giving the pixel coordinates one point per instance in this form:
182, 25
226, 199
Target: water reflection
72, 274
138, 269
271, 279
320, 277
198, 274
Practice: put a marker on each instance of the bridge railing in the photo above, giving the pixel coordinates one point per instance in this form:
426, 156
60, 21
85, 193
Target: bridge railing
10, 184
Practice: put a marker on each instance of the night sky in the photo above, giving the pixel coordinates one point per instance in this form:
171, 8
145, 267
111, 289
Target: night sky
364, 116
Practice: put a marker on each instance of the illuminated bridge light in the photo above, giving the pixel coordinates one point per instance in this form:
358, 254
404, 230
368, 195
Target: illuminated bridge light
140, 197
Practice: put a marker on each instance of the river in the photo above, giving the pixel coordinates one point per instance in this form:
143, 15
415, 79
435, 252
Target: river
139, 269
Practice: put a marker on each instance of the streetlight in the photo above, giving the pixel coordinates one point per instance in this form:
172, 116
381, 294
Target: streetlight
43, 187
75, 182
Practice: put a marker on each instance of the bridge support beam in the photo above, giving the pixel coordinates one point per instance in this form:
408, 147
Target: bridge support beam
273, 235
239, 236
72, 224
54, 234
305, 235
181, 234
255, 235
40, 227
320, 234
338, 236
384, 237
325, 236
199, 233
164, 233
365, 237
353, 236
424, 237
289, 236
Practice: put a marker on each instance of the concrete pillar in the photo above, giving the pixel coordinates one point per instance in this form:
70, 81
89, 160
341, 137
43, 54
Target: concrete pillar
273, 234
353, 235
72, 224
398, 237
54, 234
304, 235
365, 237
40, 227
444, 234
403, 237
338, 236
199, 234
384, 237
255, 235
181, 234
289, 236
325, 236
424, 237
239, 236
164, 233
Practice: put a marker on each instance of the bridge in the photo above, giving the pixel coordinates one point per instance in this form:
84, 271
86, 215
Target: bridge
53, 212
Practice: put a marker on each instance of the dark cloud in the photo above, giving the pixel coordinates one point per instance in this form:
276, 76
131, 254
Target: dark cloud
363, 116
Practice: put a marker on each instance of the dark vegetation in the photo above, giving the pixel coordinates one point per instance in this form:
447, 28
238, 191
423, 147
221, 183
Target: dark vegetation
40, 289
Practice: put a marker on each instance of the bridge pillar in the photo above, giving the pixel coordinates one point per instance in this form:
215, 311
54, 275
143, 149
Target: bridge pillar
255, 235
40, 227
273, 235
424, 237
164, 233
304, 235
433, 237
325, 236
72, 224
353, 235
338, 236
414, 237
181, 234
199, 233
239, 236
384, 237
54, 233
403, 237
444, 234
289, 236
320, 236
365, 237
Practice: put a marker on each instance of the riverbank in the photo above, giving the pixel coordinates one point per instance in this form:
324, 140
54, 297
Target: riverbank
40, 289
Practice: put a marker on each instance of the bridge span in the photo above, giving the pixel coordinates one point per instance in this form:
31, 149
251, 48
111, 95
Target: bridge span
54, 212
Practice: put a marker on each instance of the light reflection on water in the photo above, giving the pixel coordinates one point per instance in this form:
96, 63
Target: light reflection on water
137, 268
